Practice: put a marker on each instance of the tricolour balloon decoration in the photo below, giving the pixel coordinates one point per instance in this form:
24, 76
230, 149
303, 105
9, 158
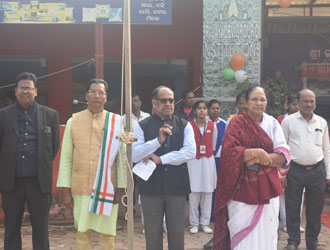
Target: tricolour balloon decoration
285, 3
228, 74
240, 76
237, 61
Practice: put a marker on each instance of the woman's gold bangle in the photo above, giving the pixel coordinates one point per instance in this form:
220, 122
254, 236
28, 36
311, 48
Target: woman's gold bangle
252, 153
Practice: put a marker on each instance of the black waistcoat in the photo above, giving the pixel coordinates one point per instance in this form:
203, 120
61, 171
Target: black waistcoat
166, 179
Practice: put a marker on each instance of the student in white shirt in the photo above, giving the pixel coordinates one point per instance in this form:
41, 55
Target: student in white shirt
202, 170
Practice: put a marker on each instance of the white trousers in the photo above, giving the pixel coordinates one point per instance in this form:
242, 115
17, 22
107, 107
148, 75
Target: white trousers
264, 235
282, 208
204, 202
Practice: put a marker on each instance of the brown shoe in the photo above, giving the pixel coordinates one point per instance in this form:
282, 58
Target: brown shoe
290, 246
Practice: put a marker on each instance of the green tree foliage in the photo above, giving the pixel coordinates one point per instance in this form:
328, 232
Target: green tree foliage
276, 91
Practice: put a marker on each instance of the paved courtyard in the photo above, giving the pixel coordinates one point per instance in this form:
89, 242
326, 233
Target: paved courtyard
63, 236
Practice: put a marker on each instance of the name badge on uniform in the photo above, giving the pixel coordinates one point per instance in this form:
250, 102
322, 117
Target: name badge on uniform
202, 149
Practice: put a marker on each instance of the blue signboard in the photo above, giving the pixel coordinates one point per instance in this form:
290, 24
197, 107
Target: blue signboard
84, 11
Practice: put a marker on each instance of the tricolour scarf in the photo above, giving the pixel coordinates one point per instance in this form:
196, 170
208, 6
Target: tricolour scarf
103, 191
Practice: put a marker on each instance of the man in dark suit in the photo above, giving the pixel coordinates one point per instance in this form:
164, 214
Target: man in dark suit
29, 141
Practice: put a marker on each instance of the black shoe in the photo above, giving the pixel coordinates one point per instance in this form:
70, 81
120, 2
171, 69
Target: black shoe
316, 247
290, 246
209, 245
328, 188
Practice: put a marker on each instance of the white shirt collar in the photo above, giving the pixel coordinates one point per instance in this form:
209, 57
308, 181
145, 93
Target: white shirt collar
299, 116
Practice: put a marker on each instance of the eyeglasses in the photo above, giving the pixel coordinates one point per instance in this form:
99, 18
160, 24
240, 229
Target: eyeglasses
262, 100
164, 100
95, 92
25, 89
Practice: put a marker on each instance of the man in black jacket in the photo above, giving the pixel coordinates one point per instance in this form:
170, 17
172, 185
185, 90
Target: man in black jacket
168, 141
29, 141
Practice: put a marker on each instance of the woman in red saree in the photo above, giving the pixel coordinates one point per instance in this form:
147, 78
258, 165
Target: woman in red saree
246, 204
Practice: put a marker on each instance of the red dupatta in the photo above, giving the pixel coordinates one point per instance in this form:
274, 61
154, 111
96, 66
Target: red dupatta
235, 181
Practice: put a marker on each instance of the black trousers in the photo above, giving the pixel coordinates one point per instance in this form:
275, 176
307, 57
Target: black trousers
26, 190
313, 181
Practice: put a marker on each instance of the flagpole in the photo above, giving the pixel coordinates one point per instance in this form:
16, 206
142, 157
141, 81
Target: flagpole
128, 112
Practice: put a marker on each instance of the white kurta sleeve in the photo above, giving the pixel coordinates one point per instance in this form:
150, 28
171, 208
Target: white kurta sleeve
187, 152
142, 149
214, 137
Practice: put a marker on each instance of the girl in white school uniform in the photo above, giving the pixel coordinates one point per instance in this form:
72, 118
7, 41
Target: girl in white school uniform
202, 170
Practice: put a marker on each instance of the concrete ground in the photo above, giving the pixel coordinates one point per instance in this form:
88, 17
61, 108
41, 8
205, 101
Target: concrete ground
63, 236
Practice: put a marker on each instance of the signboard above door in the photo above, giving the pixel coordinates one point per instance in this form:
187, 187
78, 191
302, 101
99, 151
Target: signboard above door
316, 70
85, 11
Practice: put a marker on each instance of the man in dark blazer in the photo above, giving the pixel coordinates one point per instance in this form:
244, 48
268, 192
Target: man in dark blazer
29, 141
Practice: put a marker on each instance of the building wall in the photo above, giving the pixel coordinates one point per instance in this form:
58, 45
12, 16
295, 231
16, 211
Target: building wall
230, 27
60, 43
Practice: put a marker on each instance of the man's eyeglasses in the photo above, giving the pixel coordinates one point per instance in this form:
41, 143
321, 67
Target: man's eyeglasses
95, 92
165, 100
262, 100
25, 89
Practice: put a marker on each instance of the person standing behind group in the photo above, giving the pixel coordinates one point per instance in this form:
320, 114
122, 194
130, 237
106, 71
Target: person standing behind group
246, 205
185, 111
86, 158
29, 141
240, 106
168, 141
292, 104
308, 138
137, 114
214, 110
214, 116
202, 170
9, 98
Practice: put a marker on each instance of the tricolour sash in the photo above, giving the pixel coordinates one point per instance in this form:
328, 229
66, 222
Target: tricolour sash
103, 191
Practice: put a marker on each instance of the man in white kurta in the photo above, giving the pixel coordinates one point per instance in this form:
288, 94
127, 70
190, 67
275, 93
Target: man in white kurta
81, 146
